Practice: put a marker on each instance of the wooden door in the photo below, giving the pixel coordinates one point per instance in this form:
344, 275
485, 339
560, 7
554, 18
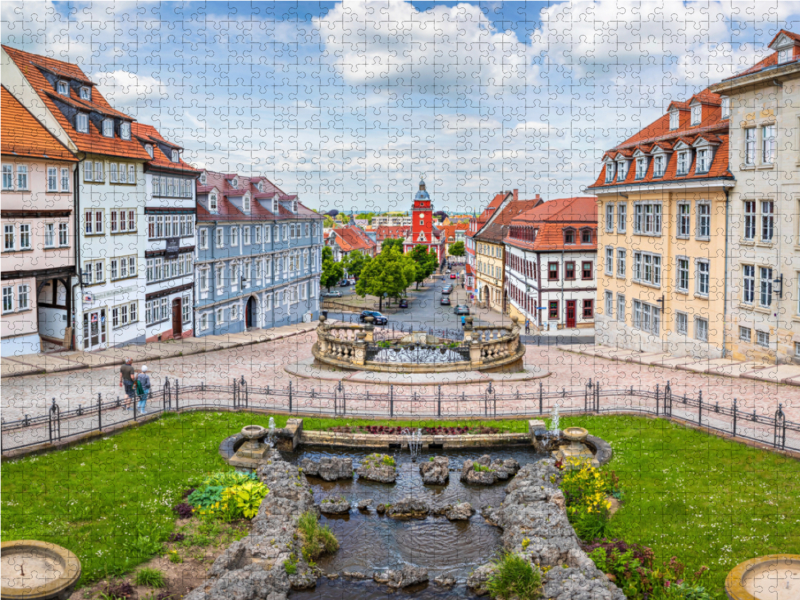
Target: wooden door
570, 314
177, 318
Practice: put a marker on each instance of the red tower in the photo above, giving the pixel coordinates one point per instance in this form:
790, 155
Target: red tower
422, 217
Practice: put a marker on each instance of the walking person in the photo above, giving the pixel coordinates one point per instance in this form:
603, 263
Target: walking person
143, 389
126, 373
527, 326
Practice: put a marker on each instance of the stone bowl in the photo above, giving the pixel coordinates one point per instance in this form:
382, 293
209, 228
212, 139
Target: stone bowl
36, 570
574, 434
765, 578
253, 432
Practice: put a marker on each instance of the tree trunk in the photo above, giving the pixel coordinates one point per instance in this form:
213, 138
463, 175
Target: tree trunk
380, 303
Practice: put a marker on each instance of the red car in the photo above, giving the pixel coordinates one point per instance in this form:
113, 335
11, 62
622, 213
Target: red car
452, 275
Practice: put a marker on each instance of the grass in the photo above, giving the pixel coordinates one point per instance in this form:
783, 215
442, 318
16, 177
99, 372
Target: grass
481, 468
150, 577
701, 498
317, 539
514, 577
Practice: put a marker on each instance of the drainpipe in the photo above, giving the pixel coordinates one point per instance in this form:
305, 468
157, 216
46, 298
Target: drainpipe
725, 277
76, 252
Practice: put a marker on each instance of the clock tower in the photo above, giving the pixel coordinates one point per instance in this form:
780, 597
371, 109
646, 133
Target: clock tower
422, 218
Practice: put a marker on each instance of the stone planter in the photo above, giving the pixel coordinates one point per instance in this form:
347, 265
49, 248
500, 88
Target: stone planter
34, 570
771, 577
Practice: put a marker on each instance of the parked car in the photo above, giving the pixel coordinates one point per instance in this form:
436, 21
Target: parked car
379, 319
461, 309
445, 301
453, 276
334, 294
403, 303
447, 289
344, 283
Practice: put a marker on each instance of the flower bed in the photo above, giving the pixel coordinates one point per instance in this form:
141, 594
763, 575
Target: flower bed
389, 430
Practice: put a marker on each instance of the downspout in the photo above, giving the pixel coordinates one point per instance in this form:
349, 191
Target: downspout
76, 252
725, 277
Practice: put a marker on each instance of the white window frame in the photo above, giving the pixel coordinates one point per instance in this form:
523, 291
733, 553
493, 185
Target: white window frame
750, 141
82, 123
762, 338
608, 302
610, 217
701, 329
769, 144
621, 308
745, 337
219, 237
750, 210
23, 297
647, 268
608, 267
641, 167
704, 159
62, 87
681, 323
647, 218
8, 299
748, 284
108, 128
125, 130
684, 218
702, 278
8, 177
767, 221
765, 277
682, 274
684, 162
622, 217
25, 235
52, 179
50, 235
202, 238
23, 178
696, 114
621, 262
702, 211
246, 235
659, 165
674, 120
725, 107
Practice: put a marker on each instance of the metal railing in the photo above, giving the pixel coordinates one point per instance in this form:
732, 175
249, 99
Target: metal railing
55, 426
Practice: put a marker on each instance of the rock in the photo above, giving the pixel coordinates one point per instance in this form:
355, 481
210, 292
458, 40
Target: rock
354, 575
476, 582
364, 504
332, 575
436, 471
334, 506
378, 467
470, 475
309, 467
511, 465
460, 512
405, 577
328, 469
380, 509
445, 581
408, 508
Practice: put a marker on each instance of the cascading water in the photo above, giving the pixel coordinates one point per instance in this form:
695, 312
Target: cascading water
554, 431
414, 442
271, 435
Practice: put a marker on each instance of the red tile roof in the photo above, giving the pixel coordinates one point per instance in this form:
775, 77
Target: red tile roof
495, 231
772, 59
449, 231
94, 141
393, 232
23, 135
351, 238
150, 135
550, 219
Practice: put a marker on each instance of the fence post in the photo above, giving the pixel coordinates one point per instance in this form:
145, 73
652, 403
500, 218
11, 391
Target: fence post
734, 417
439, 402
700, 408
597, 397
99, 411
658, 390
391, 402
779, 439
540, 398
290, 397
177, 391
668, 400
234, 393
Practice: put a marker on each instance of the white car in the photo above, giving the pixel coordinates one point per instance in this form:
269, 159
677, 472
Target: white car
334, 294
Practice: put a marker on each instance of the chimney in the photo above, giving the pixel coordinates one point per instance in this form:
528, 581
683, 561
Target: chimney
516, 195
538, 197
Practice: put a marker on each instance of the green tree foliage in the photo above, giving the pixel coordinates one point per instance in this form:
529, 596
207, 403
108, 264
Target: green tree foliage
389, 243
332, 271
425, 262
345, 219
388, 274
355, 262
328, 223
457, 249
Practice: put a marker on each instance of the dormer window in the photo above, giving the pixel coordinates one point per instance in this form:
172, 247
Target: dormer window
235, 182
63, 88
294, 206
108, 127
176, 156
212, 202
674, 120
586, 236
622, 170
659, 165
610, 168
641, 167
246, 204
82, 123
260, 186
784, 55
697, 114
149, 149
703, 160
275, 206
203, 178
726, 107
125, 131
569, 236
684, 160
86, 93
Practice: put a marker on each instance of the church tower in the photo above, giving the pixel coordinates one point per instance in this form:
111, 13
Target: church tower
422, 217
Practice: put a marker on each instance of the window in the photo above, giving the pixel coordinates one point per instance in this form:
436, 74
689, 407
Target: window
703, 160
621, 308
82, 123
609, 218
622, 216
588, 309
647, 268
682, 280
149, 149
234, 236
569, 271
267, 233
768, 144
52, 179
674, 119
609, 266
748, 283
86, 93
63, 234
49, 235
22, 177
64, 179
762, 338
204, 279
684, 220
63, 88
9, 242
797, 349
212, 203
202, 238
8, 177
726, 107
765, 287
246, 236
749, 220
701, 329
610, 169
750, 146
552, 271
24, 236
246, 204
608, 304
569, 236
745, 334
23, 293
621, 252
697, 114
552, 310
204, 322
622, 171
125, 130
8, 299
784, 55
681, 323
646, 317
108, 127
684, 160
767, 220
176, 157
703, 220
647, 218
641, 167
219, 239
701, 278
659, 165
587, 272
99, 175
285, 233
219, 277
112, 172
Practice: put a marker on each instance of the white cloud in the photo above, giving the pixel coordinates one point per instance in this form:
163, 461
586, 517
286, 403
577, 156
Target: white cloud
124, 89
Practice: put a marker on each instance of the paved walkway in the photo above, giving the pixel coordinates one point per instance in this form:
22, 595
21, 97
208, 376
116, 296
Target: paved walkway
758, 371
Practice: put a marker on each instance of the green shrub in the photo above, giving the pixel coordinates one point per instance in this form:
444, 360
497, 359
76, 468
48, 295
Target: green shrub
246, 498
482, 469
228, 478
289, 567
514, 577
206, 497
317, 539
150, 577
388, 461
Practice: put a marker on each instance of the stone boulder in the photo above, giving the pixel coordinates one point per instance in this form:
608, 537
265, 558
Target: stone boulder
364, 504
445, 581
408, 508
459, 512
436, 471
405, 577
378, 467
337, 505
328, 469
477, 580
478, 472
354, 575
380, 509
309, 467
504, 468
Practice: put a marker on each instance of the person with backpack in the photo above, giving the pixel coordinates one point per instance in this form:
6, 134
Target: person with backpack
143, 389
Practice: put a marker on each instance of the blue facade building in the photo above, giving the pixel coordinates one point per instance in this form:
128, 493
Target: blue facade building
258, 257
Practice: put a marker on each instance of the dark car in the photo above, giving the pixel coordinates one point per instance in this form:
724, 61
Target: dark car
379, 319
344, 283
452, 276
461, 309
445, 301
403, 303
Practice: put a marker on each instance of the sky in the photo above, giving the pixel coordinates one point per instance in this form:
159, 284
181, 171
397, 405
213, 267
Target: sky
349, 104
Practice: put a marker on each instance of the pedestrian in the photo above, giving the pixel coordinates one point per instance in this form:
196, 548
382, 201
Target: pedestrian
463, 320
126, 380
527, 326
143, 389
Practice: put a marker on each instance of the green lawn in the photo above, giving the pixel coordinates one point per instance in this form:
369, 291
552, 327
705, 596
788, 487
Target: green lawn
687, 494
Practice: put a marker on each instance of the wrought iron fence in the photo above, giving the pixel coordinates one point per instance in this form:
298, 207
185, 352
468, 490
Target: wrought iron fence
98, 415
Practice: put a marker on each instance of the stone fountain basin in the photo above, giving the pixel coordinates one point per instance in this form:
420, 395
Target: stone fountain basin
575, 434
253, 432
57, 570
765, 578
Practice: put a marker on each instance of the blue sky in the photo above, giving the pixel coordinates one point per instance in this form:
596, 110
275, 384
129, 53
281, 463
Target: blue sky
349, 103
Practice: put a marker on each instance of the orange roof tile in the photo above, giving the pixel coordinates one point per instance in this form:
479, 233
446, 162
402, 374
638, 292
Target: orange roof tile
550, 219
23, 135
150, 134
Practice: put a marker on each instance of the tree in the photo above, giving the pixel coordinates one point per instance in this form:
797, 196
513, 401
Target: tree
456, 249
328, 223
355, 262
345, 218
425, 263
332, 271
388, 274
389, 243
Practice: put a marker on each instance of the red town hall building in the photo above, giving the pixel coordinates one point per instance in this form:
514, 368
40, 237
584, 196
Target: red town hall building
423, 232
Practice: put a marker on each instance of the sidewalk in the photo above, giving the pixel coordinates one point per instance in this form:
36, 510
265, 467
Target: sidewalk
32, 364
758, 371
